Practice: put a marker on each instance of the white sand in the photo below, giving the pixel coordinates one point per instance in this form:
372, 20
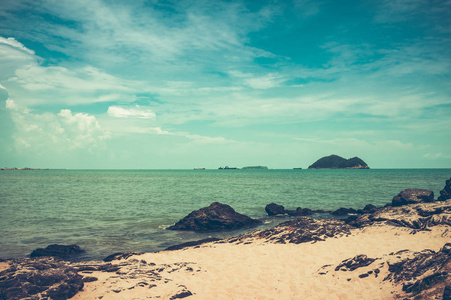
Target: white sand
267, 271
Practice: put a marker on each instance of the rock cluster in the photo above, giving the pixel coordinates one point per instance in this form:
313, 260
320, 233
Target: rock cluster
215, 217
298, 231
416, 216
40, 278
274, 209
424, 272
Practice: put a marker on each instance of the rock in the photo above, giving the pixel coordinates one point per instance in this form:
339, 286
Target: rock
338, 162
47, 277
301, 230
369, 209
423, 262
354, 263
419, 216
216, 217
120, 255
343, 211
447, 293
445, 194
61, 251
274, 209
300, 212
413, 196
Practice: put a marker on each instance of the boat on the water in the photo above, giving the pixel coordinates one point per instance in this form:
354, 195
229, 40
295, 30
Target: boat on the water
226, 168
199, 168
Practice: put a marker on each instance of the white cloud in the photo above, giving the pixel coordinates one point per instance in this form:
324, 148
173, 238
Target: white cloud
134, 112
12, 42
58, 133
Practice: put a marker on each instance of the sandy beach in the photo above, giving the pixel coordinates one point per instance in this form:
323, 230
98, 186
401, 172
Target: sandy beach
262, 270
394, 253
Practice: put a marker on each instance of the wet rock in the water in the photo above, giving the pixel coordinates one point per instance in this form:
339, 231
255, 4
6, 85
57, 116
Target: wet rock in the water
445, 194
215, 217
47, 277
343, 211
273, 209
61, 251
300, 212
413, 196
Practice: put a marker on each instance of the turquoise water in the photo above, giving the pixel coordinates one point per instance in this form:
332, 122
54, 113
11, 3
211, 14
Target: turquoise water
106, 211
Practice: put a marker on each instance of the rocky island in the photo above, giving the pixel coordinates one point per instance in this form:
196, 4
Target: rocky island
337, 162
255, 168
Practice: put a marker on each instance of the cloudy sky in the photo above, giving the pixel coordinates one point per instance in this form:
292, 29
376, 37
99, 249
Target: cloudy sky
184, 84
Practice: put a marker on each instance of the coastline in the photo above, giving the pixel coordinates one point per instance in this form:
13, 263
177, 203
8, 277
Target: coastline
299, 259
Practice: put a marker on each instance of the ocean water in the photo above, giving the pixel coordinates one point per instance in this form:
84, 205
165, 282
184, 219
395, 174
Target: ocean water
107, 211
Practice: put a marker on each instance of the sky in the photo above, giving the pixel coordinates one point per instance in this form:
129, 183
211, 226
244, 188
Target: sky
102, 84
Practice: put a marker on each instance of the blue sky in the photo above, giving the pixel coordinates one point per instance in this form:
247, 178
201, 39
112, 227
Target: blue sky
183, 84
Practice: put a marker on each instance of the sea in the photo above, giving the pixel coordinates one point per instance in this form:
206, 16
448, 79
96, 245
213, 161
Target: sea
109, 211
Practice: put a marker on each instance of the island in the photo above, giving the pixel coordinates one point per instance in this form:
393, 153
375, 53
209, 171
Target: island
337, 162
255, 168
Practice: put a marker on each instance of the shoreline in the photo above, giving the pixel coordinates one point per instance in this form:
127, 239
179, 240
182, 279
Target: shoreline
302, 258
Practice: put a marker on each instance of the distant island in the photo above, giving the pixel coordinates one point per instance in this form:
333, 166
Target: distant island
255, 168
338, 162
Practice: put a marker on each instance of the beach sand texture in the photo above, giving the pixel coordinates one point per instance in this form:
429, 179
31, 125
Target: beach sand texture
257, 269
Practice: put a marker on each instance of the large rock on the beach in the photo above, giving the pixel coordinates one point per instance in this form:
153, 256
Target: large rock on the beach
40, 278
445, 194
61, 251
273, 209
413, 196
215, 217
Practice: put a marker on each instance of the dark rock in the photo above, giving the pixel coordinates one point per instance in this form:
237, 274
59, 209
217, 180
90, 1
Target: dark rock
369, 209
61, 251
447, 293
416, 216
364, 275
120, 255
338, 162
300, 212
424, 261
424, 283
274, 209
343, 211
354, 263
29, 278
413, 196
182, 294
301, 230
445, 194
191, 244
216, 217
